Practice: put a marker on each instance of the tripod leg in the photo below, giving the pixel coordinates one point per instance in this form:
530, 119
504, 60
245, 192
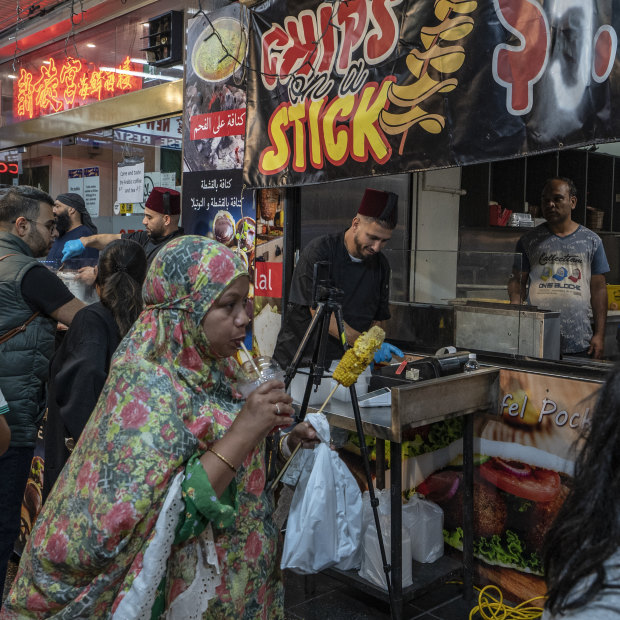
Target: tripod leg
374, 502
292, 367
320, 321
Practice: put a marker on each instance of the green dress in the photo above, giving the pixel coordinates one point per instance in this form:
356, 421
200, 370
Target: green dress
132, 528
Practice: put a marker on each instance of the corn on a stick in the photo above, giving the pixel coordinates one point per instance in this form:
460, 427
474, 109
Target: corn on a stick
359, 356
350, 367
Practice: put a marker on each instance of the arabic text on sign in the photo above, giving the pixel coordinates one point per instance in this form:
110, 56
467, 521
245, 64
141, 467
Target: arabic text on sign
217, 124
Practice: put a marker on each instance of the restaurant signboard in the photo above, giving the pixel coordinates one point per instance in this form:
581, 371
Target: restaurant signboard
358, 88
68, 83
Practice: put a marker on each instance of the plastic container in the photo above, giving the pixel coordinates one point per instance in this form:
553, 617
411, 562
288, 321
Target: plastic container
268, 368
424, 520
298, 387
84, 292
471, 364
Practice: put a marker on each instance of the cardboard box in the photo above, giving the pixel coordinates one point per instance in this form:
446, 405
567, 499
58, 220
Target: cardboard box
613, 296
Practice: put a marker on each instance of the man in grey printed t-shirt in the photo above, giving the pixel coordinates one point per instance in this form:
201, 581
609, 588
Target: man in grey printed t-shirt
563, 269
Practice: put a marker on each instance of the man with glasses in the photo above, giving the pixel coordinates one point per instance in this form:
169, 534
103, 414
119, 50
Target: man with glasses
32, 301
162, 211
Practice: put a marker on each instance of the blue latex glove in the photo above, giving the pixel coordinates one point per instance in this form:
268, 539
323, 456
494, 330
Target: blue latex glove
72, 248
385, 352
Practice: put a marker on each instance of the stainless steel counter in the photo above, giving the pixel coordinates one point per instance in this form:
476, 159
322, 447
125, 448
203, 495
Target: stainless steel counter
417, 404
413, 405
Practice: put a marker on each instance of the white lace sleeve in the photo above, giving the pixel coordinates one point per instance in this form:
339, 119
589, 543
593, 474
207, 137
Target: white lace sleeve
138, 601
193, 602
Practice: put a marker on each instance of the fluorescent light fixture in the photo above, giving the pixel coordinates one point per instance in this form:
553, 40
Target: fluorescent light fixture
11, 76
90, 45
141, 74
139, 61
46, 62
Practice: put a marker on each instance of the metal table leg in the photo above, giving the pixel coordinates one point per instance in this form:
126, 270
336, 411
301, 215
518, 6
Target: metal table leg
396, 545
468, 508
380, 463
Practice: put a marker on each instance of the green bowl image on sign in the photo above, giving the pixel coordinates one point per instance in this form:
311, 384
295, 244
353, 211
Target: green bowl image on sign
209, 59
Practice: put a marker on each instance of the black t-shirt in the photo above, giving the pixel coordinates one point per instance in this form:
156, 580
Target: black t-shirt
44, 291
366, 286
150, 246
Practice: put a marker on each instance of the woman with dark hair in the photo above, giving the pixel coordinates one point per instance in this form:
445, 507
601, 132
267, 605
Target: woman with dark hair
80, 366
582, 548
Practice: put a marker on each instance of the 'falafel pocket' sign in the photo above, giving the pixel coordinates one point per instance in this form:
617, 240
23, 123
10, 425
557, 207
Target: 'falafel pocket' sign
357, 88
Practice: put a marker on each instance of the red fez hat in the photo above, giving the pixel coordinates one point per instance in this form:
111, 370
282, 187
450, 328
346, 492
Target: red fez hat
380, 205
163, 200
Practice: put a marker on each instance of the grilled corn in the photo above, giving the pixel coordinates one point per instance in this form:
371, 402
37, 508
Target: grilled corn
355, 360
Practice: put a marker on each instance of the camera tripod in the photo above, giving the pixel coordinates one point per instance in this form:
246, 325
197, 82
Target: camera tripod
328, 300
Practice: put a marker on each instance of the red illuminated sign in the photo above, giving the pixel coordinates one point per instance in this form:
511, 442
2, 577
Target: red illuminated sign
69, 84
10, 168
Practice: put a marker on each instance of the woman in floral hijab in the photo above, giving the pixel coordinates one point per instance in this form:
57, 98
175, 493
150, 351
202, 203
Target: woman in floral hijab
161, 510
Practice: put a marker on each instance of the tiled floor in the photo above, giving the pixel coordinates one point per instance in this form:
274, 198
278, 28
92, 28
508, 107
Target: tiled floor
323, 598
333, 600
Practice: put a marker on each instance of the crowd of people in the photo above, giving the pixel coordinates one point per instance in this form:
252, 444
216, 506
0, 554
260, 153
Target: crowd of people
161, 505
156, 497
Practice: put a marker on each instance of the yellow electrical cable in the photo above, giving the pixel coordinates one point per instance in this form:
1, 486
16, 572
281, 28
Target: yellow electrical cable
492, 608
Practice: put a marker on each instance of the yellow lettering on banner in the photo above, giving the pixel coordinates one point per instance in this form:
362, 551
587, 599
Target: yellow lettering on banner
442, 59
297, 114
314, 113
394, 124
337, 140
413, 94
275, 158
444, 7
365, 131
449, 30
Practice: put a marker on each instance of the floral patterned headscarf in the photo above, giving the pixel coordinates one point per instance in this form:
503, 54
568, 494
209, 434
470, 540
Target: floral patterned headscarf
186, 278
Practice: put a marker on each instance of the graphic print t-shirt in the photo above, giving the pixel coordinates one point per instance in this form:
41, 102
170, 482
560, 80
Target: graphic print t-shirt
560, 272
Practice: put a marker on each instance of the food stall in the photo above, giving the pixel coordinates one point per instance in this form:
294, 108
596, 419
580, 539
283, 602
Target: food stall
356, 92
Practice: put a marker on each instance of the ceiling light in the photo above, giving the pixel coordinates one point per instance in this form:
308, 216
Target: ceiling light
90, 45
141, 74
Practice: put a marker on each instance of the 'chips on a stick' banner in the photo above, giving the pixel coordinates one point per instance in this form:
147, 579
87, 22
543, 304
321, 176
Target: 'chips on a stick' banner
358, 88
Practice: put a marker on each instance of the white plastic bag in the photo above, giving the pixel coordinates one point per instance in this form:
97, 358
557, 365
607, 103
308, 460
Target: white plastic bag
325, 519
383, 509
372, 565
424, 521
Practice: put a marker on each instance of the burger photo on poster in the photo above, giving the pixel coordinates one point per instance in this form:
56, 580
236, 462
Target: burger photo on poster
522, 475
515, 503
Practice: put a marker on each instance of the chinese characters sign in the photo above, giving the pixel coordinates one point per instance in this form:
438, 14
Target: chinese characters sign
362, 87
69, 83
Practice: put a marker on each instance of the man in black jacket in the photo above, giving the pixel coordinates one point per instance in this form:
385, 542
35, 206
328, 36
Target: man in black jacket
357, 266
32, 301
